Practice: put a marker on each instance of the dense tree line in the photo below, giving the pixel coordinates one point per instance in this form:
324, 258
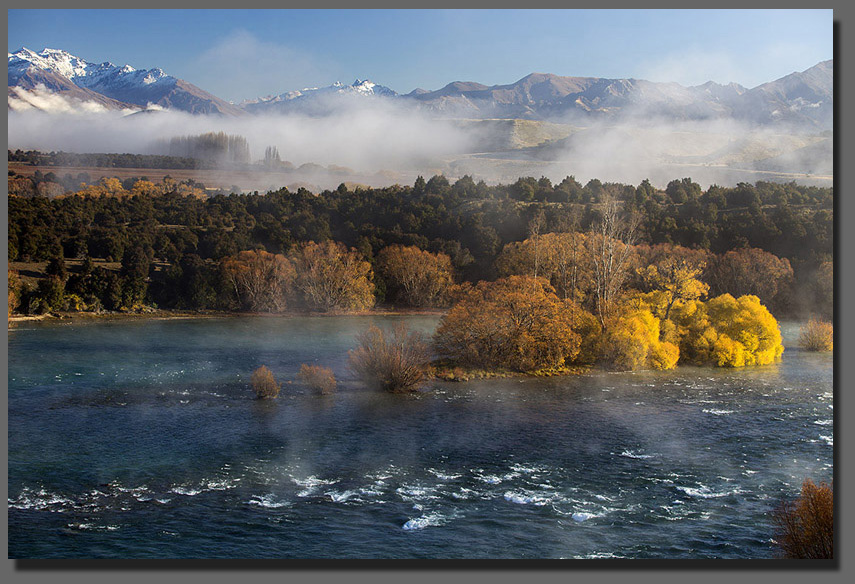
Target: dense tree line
211, 146
470, 228
107, 160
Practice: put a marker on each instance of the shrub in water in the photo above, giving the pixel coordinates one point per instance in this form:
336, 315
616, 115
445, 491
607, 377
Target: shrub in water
817, 335
805, 527
318, 378
264, 383
397, 362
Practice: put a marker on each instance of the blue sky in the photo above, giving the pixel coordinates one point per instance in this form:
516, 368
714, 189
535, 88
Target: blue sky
240, 54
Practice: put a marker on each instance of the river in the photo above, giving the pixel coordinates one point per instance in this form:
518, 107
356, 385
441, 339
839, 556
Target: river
142, 439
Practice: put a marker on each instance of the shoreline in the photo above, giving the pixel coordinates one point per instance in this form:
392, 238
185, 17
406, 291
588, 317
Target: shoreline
167, 314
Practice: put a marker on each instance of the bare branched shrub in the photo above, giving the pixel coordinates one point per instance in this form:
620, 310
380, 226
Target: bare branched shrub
817, 335
397, 362
805, 527
318, 378
264, 383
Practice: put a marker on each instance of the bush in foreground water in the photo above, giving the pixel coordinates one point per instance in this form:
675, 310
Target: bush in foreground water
264, 383
318, 378
396, 361
805, 527
817, 335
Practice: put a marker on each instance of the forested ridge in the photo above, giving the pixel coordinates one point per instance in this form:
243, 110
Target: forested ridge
173, 241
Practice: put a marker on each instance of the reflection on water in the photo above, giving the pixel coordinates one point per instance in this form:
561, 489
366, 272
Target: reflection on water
141, 439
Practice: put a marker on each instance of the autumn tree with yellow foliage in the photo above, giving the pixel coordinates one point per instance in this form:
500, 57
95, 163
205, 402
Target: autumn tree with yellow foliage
331, 277
515, 323
415, 277
727, 332
562, 258
633, 340
260, 281
678, 278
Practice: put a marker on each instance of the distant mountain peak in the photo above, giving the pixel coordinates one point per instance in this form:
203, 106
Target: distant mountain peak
801, 100
307, 97
125, 85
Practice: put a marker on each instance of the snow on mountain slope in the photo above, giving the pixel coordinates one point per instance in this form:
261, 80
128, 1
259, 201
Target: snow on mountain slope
302, 97
123, 84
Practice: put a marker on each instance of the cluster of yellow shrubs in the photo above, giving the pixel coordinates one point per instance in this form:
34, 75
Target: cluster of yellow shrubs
723, 331
506, 323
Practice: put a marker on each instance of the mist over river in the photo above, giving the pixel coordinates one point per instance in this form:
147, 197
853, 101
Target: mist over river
143, 439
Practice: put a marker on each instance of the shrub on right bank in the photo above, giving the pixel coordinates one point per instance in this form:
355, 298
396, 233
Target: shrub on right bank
817, 335
805, 526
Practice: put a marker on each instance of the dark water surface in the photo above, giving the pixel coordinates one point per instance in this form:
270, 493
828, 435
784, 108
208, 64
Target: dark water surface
143, 440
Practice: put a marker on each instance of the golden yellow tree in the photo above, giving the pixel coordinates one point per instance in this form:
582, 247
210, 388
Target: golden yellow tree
145, 187
260, 280
633, 341
677, 278
113, 187
728, 331
331, 277
513, 323
416, 277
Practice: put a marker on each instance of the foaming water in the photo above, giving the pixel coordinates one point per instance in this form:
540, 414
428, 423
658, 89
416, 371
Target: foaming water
142, 440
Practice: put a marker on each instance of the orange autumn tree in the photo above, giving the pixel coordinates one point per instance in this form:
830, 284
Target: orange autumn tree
260, 280
516, 323
750, 271
331, 277
561, 258
415, 277
805, 527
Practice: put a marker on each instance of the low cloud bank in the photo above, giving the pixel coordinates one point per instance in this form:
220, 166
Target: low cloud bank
377, 136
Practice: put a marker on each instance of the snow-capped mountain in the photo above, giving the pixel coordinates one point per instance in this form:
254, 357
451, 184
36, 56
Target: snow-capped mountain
63, 73
311, 96
800, 100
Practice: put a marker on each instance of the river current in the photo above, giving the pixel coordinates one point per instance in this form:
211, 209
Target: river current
143, 440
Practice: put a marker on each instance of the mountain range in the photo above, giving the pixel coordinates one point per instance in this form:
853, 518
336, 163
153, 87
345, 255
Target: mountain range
802, 100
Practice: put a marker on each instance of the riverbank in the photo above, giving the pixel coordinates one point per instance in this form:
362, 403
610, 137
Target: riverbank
166, 314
